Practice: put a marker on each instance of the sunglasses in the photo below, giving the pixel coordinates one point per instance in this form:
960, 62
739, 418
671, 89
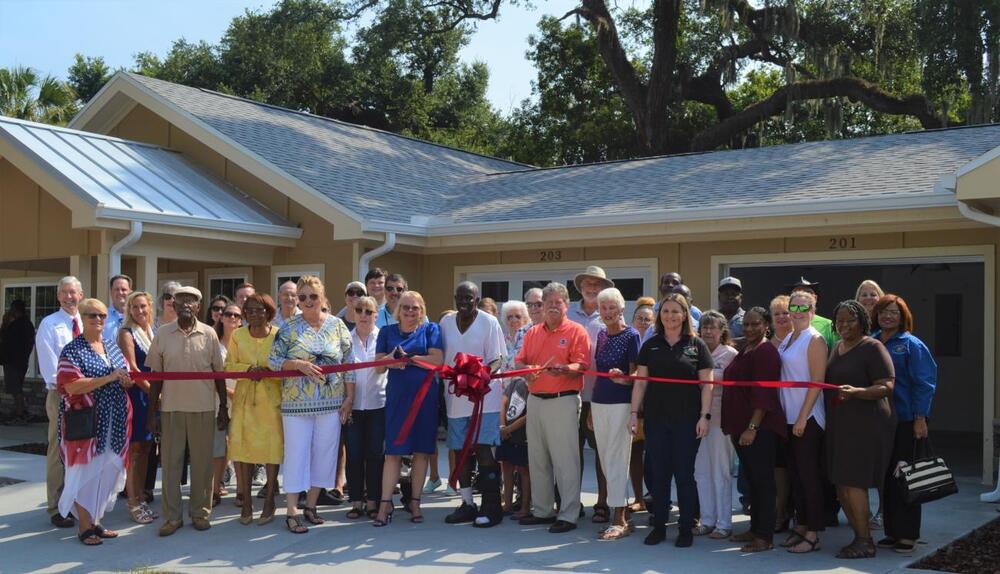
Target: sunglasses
409, 308
232, 315
168, 297
355, 292
99, 316
255, 310
361, 310
218, 309
394, 289
799, 308
311, 297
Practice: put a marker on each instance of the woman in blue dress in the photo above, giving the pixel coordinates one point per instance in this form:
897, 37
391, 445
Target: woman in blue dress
134, 338
412, 338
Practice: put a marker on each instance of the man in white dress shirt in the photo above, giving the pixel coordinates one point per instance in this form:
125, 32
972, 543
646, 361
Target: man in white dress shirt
473, 332
54, 332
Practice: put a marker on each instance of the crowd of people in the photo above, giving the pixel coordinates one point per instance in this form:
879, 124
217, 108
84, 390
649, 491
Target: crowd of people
803, 453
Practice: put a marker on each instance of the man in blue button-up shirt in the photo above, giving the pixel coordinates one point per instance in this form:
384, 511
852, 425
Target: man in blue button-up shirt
121, 288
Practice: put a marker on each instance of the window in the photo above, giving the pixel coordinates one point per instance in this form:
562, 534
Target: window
224, 286
282, 273
40, 300
496, 290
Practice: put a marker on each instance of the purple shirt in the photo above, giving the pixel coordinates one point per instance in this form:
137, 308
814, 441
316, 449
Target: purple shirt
615, 351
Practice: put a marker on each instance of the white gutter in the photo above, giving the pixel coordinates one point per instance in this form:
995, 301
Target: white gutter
978, 216
366, 259
115, 255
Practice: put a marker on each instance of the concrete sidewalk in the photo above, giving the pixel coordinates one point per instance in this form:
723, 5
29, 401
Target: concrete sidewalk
28, 543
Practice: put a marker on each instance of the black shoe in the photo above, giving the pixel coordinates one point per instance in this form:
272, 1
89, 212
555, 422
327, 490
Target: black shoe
684, 538
60, 521
329, 498
656, 535
561, 526
532, 520
464, 513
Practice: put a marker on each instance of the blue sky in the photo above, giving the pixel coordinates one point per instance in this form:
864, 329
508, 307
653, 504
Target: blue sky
45, 34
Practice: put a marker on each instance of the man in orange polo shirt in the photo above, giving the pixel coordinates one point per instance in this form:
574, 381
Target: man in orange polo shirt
563, 348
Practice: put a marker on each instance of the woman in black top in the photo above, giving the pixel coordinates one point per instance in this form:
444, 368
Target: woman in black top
676, 414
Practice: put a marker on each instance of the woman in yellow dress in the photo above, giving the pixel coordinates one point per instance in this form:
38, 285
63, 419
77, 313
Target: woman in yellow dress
255, 430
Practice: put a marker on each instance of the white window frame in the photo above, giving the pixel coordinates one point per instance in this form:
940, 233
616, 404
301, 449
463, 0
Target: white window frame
33, 282
243, 274
317, 269
517, 273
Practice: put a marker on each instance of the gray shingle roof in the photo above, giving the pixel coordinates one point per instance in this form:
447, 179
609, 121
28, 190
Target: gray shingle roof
376, 174
881, 166
129, 180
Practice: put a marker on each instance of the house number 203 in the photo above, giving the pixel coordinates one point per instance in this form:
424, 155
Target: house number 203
841, 243
550, 255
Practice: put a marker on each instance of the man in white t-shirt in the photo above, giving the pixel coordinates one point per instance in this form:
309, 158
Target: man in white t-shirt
472, 332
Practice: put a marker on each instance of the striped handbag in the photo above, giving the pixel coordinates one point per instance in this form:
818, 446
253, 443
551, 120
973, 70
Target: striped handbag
927, 478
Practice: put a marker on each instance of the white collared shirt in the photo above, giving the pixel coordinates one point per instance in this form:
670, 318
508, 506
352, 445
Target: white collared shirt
54, 332
369, 387
484, 339
279, 319
593, 324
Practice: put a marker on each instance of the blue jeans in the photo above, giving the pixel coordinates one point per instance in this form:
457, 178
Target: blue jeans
365, 455
671, 449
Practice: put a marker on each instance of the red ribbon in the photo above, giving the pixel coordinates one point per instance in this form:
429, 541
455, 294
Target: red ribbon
255, 375
468, 378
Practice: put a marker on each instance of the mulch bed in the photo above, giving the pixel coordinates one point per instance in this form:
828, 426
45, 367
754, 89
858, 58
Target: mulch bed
29, 448
975, 553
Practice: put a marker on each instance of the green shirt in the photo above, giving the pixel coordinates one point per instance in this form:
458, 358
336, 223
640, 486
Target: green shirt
825, 328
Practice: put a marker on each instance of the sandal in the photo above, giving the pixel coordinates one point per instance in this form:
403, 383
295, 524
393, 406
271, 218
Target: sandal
702, 530
311, 515
743, 537
757, 545
379, 522
720, 534
887, 542
139, 515
904, 547
371, 512
600, 515
813, 546
414, 509
149, 510
294, 524
355, 513
246, 515
859, 548
615, 532
104, 532
90, 537
793, 540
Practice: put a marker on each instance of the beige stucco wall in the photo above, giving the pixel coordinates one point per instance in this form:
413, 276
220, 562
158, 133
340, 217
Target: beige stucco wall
980, 183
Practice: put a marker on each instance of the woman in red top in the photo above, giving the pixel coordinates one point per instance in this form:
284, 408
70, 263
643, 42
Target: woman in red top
754, 421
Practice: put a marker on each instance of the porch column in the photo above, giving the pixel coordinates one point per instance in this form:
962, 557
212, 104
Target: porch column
81, 267
102, 290
146, 273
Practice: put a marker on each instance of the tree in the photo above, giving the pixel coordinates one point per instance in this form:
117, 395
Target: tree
87, 76
681, 52
26, 95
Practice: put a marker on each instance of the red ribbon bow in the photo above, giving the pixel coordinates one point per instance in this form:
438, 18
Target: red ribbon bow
468, 378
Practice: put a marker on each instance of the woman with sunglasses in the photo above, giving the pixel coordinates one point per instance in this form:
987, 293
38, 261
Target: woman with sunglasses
213, 314
229, 323
314, 405
93, 374
366, 428
352, 294
803, 358
255, 430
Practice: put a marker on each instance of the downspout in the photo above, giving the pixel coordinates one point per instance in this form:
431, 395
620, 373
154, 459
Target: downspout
976, 215
366, 259
115, 255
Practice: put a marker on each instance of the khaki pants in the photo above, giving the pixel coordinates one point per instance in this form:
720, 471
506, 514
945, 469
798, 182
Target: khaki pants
554, 455
54, 470
197, 431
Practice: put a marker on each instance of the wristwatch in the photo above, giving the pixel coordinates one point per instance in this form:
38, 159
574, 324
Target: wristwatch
753, 426
707, 416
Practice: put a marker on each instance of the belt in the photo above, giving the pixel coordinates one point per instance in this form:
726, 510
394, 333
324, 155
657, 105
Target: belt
555, 395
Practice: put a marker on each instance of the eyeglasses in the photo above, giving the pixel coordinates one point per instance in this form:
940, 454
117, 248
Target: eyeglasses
362, 310
799, 308
98, 316
168, 297
232, 315
255, 310
409, 308
890, 312
534, 304
218, 309
394, 289
355, 293
311, 297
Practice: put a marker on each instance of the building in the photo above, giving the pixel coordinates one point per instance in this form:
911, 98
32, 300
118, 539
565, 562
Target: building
167, 182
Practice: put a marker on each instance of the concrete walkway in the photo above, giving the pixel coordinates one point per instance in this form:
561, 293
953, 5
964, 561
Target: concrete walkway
28, 543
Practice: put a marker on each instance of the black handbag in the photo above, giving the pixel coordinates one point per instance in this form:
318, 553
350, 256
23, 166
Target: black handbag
925, 479
81, 423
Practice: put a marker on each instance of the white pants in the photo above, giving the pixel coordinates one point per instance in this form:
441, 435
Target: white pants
713, 473
614, 445
311, 447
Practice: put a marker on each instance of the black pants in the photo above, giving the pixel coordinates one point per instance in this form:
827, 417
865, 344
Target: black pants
803, 470
671, 449
365, 438
901, 520
757, 465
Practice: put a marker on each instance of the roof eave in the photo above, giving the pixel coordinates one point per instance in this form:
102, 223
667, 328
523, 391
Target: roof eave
201, 223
